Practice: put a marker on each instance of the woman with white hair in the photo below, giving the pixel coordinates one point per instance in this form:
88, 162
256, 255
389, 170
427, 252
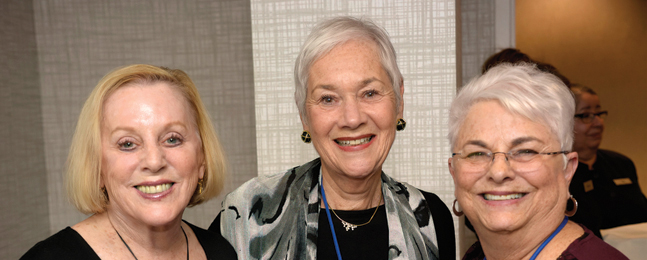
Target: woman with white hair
341, 205
511, 131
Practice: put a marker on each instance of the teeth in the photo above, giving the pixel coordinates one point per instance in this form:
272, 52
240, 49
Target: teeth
354, 142
503, 197
154, 189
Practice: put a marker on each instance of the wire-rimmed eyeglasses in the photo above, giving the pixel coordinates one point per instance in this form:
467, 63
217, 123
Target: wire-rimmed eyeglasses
523, 160
588, 117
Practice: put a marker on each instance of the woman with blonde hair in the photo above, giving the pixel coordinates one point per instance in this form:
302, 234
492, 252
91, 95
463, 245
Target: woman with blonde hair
144, 149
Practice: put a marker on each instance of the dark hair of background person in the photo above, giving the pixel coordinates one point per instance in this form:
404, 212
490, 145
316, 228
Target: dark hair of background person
511, 55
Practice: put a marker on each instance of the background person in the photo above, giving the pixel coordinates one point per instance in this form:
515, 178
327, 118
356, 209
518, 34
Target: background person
349, 94
511, 55
510, 134
606, 179
144, 149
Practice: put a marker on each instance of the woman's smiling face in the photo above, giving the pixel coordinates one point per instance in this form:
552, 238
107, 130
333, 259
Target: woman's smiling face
152, 153
351, 110
506, 195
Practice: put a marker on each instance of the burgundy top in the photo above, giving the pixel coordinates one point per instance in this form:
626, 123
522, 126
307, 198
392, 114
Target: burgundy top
586, 247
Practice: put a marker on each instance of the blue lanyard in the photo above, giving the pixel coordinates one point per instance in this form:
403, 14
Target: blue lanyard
332, 228
541, 247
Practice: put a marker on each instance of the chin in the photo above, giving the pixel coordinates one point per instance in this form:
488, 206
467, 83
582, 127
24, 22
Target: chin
161, 217
500, 222
360, 172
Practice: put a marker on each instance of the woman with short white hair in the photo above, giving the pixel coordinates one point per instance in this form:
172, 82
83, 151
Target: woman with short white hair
341, 205
511, 133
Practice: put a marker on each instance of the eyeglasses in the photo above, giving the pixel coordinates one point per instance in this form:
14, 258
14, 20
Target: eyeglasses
588, 117
521, 160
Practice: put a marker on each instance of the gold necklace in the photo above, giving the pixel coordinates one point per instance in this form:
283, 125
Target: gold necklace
352, 226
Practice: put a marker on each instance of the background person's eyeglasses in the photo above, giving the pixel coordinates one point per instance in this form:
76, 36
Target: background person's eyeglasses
588, 117
522, 160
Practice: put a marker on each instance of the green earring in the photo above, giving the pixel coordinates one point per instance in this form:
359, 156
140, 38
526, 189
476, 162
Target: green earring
305, 137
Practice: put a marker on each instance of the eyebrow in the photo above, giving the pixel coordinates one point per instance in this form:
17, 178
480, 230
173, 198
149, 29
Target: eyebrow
515, 142
588, 107
166, 127
362, 84
525, 139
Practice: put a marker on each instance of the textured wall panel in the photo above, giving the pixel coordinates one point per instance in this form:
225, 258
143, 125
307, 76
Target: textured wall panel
24, 212
477, 31
80, 41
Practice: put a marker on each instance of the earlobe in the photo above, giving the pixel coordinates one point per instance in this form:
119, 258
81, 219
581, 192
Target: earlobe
401, 108
303, 123
202, 170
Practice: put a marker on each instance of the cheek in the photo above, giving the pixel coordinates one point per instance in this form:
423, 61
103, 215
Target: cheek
318, 121
187, 162
465, 182
580, 129
118, 166
547, 178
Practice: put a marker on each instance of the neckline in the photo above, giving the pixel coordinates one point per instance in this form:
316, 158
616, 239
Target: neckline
547, 240
186, 239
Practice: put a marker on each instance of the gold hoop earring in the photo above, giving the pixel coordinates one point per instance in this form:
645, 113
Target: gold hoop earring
200, 184
570, 213
305, 137
401, 124
456, 212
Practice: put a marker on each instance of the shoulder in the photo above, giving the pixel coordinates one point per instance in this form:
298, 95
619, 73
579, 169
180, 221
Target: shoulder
475, 252
443, 224
615, 156
415, 196
589, 246
213, 244
253, 216
66, 244
271, 184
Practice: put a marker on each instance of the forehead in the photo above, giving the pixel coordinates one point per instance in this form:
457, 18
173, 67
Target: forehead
588, 101
357, 56
490, 123
147, 99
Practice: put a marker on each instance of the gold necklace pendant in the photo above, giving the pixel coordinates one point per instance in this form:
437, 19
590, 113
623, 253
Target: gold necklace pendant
351, 226
348, 226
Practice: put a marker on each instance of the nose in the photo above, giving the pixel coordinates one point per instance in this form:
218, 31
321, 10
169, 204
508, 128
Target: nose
505, 155
597, 120
154, 159
500, 170
353, 115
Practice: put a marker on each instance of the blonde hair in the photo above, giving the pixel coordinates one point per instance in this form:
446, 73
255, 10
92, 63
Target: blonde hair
84, 159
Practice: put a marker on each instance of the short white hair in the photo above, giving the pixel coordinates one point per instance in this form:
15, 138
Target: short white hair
336, 31
521, 89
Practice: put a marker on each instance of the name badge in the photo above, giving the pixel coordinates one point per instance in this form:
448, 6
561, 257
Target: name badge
622, 181
588, 186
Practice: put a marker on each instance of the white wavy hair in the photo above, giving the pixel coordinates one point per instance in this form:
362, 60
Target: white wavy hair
521, 89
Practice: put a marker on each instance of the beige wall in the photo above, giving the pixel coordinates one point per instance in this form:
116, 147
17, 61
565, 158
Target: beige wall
601, 44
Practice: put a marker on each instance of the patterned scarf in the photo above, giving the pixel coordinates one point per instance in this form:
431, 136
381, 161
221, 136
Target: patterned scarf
276, 217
